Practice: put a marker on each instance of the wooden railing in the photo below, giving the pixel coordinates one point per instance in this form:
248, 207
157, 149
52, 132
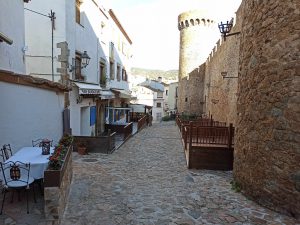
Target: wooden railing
185, 136
127, 130
205, 132
135, 117
204, 122
141, 123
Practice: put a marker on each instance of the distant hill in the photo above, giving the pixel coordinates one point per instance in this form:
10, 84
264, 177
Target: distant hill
153, 74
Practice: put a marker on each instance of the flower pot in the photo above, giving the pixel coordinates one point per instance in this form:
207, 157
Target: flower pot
81, 150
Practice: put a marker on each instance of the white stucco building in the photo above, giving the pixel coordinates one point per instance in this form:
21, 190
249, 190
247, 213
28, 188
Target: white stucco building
30, 108
172, 97
81, 28
152, 93
12, 40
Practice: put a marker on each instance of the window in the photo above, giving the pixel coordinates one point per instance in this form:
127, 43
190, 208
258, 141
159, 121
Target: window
124, 75
112, 70
102, 74
159, 94
78, 75
118, 72
186, 99
78, 3
176, 92
166, 92
158, 104
111, 51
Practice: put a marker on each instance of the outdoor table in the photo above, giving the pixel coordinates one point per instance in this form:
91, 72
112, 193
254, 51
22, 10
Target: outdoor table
33, 155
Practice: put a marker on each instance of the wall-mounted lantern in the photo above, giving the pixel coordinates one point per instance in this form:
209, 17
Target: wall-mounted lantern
225, 29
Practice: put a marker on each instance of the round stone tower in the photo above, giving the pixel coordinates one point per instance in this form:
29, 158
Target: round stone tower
198, 35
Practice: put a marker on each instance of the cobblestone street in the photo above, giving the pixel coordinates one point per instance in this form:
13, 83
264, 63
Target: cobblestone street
147, 182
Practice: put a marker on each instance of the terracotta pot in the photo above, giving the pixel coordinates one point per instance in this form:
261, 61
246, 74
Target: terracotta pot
81, 150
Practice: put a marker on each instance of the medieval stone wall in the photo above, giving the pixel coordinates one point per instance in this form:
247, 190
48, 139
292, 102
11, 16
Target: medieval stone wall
193, 89
221, 93
267, 145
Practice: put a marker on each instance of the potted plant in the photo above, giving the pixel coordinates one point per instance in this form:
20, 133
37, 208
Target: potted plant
81, 148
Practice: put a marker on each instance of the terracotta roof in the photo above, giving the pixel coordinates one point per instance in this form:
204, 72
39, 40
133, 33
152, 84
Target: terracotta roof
10, 77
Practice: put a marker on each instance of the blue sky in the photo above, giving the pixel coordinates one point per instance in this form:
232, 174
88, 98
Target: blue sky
152, 26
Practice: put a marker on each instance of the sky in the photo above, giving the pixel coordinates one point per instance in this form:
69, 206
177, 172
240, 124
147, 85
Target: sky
152, 27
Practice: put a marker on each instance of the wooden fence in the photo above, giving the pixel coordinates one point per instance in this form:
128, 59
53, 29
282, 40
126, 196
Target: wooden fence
127, 130
124, 130
208, 144
142, 122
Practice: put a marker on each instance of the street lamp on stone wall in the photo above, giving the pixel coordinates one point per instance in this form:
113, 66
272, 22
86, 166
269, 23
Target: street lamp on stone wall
225, 29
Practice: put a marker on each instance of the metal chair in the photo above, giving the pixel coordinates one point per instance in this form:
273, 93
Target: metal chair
16, 177
39, 142
7, 151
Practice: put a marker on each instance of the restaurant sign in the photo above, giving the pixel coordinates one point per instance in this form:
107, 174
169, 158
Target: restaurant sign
89, 91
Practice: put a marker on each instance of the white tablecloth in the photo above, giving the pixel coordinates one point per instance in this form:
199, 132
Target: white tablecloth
33, 155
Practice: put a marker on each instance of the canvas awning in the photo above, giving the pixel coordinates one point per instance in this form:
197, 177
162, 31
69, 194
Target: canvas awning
122, 93
88, 89
106, 94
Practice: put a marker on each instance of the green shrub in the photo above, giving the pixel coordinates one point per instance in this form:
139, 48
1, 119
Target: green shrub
166, 118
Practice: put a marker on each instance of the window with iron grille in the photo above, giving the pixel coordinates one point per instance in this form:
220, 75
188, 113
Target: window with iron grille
112, 70
124, 74
118, 72
102, 74
78, 75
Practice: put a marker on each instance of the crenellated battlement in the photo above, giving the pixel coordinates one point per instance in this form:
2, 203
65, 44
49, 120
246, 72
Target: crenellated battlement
194, 18
195, 22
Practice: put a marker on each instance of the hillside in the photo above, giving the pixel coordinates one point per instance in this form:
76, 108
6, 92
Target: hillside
153, 74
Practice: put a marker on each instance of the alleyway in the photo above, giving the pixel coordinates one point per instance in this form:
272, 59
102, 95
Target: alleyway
146, 182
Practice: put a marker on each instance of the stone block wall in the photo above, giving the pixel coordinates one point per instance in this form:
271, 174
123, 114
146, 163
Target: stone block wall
221, 93
267, 150
56, 197
192, 88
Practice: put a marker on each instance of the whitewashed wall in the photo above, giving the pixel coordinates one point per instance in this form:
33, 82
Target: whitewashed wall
172, 95
12, 25
76, 116
29, 113
89, 38
38, 37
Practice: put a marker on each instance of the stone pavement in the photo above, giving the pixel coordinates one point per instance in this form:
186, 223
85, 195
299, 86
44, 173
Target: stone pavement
146, 182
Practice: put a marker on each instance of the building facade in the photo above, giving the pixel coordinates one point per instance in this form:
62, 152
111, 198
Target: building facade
31, 107
81, 28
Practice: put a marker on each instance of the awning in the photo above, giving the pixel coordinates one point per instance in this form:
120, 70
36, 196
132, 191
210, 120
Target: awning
122, 93
88, 89
106, 94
